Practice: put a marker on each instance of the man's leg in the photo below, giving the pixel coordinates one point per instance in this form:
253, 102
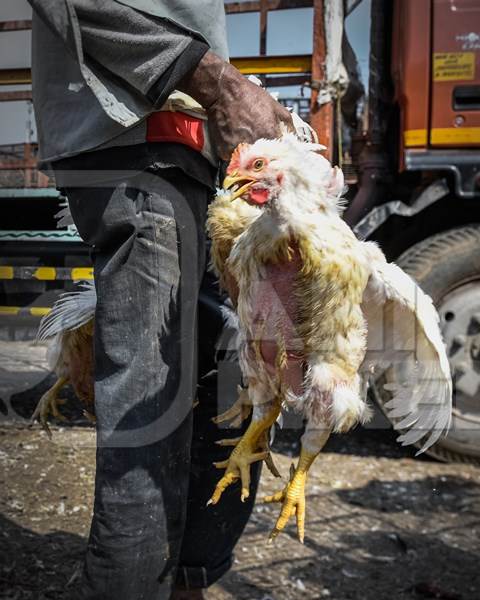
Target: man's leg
211, 532
148, 258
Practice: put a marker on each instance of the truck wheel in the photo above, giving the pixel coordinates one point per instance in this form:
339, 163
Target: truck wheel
447, 267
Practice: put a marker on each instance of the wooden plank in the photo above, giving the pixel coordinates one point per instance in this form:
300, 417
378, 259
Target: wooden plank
269, 65
15, 77
15, 96
246, 7
15, 25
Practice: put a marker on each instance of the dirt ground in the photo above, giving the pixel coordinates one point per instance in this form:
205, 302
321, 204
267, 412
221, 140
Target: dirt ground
381, 525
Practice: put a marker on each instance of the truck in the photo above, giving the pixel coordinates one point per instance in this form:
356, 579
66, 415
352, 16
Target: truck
409, 144
418, 188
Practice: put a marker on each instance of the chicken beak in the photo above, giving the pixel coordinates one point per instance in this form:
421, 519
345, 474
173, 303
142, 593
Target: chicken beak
241, 181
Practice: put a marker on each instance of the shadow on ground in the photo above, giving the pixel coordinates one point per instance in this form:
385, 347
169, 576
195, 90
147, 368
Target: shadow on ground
35, 566
390, 562
386, 540
423, 496
24, 403
383, 538
369, 566
377, 439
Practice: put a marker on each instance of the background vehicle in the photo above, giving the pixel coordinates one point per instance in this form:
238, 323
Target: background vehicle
419, 177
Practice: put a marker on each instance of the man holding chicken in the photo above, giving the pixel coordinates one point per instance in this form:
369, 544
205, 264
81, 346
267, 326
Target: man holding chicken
136, 104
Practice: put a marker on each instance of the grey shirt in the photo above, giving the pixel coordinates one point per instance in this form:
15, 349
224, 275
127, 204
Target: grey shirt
100, 67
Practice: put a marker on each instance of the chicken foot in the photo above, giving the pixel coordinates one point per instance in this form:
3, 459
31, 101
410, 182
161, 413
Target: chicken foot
263, 445
48, 404
237, 413
292, 497
249, 449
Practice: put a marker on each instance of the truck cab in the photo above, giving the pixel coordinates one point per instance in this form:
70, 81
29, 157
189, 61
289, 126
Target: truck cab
418, 194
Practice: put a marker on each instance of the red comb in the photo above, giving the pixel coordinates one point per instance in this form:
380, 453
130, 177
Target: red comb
234, 163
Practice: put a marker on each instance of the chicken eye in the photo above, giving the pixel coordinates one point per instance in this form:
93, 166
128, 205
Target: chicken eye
258, 164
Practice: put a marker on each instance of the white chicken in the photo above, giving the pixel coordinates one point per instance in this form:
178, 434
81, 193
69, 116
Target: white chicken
319, 312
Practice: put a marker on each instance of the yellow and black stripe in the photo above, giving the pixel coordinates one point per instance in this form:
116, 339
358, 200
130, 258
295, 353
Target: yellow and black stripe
24, 311
47, 273
438, 136
10, 273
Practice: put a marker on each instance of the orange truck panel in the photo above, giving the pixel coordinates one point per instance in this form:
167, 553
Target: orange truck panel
455, 98
411, 69
436, 72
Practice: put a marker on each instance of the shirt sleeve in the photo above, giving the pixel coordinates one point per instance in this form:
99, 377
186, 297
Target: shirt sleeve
148, 53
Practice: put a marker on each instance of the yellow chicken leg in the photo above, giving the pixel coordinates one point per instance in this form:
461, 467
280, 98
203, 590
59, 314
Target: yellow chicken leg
249, 449
48, 404
292, 496
264, 445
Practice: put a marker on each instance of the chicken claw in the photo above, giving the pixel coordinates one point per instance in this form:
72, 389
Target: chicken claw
237, 466
249, 449
48, 404
292, 497
237, 413
269, 460
265, 446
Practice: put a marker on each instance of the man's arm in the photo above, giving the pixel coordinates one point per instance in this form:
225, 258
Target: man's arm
238, 110
153, 56
150, 54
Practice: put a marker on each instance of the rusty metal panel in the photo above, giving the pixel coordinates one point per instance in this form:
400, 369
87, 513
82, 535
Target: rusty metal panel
455, 101
18, 167
15, 25
321, 116
15, 96
411, 69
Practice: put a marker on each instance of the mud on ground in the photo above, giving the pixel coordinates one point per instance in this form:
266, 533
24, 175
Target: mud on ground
380, 525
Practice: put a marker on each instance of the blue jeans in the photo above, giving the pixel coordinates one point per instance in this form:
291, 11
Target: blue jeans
159, 316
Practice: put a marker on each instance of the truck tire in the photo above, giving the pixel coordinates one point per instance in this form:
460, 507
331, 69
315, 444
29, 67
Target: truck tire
447, 267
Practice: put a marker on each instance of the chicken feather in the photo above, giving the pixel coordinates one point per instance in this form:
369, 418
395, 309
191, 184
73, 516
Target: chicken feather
70, 326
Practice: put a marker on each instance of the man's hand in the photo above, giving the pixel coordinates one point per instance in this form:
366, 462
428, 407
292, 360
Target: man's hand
238, 110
